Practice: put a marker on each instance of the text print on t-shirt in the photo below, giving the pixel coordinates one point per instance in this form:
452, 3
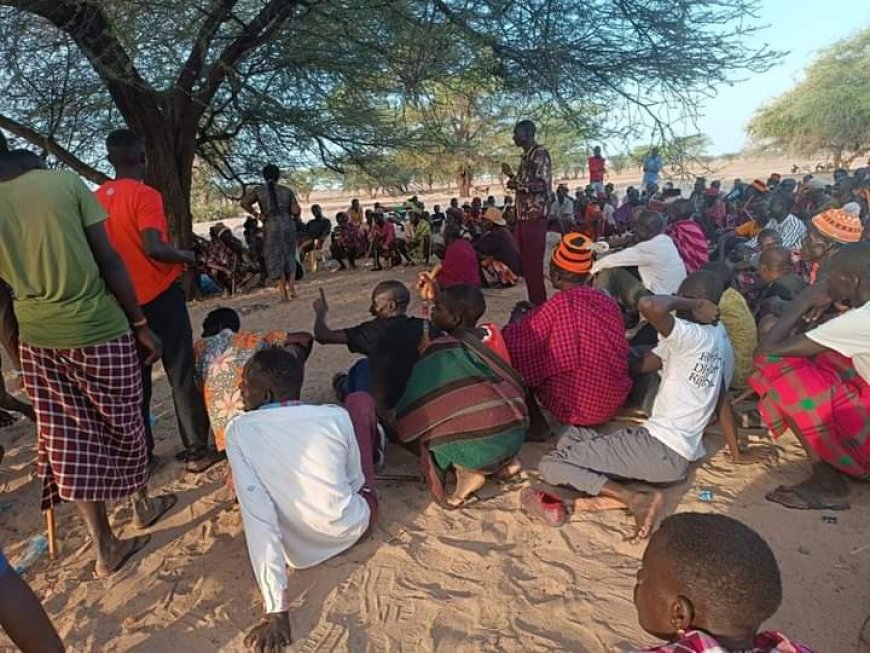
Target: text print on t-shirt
706, 371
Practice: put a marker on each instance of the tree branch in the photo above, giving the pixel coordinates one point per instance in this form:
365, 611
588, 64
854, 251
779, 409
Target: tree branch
215, 17
54, 148
261, 28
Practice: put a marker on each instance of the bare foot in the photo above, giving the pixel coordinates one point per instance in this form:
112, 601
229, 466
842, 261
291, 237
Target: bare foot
467, 483
510, 469
645, 507
597, 504
118, 554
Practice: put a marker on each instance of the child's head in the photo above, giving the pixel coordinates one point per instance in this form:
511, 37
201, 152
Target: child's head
768, 238
774, 262
220, 319
702, 284
458, 307
708, 572
272, 375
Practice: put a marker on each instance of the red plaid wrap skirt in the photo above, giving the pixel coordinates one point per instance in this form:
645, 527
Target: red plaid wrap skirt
825, 399
88, 404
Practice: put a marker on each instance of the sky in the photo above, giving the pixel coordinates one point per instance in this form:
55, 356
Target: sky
803, 27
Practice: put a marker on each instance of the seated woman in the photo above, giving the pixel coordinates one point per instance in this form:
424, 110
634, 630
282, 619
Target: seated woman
463, 402
500, 262
459, 264
818, 383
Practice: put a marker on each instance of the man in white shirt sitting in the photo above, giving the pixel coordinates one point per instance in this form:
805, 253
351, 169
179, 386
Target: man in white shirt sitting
817, 383
660, 269
696, 363
304, 477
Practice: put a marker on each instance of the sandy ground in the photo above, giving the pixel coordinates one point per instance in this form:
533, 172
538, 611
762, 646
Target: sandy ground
484, 578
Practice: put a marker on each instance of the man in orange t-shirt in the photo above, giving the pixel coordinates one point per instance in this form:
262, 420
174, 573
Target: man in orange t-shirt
137, 229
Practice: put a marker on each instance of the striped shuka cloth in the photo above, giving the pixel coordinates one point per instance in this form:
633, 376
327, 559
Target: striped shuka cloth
88, 404
825, 398
464, 404
691, 243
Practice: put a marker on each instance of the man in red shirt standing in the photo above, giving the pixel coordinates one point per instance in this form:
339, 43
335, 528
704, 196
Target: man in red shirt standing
597, 169
137, 229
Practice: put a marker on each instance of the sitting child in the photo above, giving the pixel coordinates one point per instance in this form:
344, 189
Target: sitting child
778, 280
463, 402
706, 584
697, 365
739, 324
305, 478
220, 357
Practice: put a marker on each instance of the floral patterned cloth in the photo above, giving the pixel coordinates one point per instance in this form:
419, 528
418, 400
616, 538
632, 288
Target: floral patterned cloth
219, 362
534, 182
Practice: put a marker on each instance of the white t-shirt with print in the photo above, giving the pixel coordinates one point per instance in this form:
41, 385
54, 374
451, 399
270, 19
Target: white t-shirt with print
696, 360
848, 334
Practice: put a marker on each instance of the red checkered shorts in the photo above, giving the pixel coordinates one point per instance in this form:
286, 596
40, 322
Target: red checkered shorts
88, 404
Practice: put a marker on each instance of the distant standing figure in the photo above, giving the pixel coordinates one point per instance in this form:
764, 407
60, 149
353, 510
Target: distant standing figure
278, 210
652, 166
532, 183
597, 169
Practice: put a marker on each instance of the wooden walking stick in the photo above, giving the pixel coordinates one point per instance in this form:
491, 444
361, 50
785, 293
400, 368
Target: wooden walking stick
52, 533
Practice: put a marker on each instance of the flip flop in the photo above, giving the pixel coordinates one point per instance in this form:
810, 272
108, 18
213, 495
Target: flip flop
167, 503
801, 498
139, 543
204, 463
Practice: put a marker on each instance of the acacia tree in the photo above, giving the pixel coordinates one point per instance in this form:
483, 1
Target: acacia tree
234, 83
828, 111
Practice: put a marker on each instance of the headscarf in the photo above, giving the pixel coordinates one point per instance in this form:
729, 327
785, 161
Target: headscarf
574, 254
839, 225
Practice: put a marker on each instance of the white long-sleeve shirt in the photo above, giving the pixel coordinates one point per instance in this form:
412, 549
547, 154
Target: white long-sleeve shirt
297, 474
657, 260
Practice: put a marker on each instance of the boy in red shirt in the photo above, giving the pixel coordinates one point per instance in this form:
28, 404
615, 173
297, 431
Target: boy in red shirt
137, 229
597, 169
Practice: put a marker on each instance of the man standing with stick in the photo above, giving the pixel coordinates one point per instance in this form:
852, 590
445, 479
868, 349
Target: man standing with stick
79, 326
532, 183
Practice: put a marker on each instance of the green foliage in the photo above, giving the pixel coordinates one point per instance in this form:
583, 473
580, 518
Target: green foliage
828, 111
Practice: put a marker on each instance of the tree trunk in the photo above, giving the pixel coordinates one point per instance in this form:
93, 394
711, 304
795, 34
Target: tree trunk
170, 168
463, 181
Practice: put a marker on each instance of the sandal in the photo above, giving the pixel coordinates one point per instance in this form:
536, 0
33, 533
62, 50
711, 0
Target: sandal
802, 498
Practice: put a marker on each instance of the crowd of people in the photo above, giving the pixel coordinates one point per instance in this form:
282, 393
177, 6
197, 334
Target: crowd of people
672, 309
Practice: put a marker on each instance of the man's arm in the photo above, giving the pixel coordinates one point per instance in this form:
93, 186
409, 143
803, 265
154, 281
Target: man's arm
300, 341
23, 617
644, 364
322, 333
779, 339
658, 308
156, 248
247, 202
265, 545
8, 325
117, 280
633, 256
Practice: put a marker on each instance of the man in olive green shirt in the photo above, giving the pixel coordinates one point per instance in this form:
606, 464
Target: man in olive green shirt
75, 307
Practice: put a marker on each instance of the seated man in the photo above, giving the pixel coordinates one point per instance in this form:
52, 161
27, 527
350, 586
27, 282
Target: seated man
383, 241
315, 233
305, 481
697, 364
464, 403
660, 270
688, 236
419, 237
347, 242
817, 383
781, 220
497, 250
708, 583
390, 342
778, 280
220, 357
739, 324
571, 350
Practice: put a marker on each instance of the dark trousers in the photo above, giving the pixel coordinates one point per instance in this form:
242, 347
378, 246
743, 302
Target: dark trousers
168, 319
531, 236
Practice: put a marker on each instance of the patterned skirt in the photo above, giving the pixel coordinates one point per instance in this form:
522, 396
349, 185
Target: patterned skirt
88, 404
822, 397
